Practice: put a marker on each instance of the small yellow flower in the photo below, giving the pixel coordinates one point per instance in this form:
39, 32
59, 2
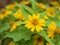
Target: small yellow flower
11, 6
35, 23
13, 27
38, 40
51, 29
19, 15
41, 5
52, 26
50, 12
51, 34
25, 2
11, 43
46, 17
5, 13
55, 3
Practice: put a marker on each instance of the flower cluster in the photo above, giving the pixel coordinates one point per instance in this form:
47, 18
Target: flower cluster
35, 19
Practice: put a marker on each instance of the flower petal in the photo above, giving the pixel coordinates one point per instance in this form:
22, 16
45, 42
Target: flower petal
38, 28
32, 29
30, 17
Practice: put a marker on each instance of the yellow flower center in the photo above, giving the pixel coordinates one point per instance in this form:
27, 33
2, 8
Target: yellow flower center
35, 21
51, 13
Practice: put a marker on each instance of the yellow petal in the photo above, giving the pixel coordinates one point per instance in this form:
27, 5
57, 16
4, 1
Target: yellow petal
38, 28
32, 29
42, 22
38, 15
13, 27
28, 26
34, 15
30, 17
45, 17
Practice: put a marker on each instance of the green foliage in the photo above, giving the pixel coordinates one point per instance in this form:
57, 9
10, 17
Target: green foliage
30, 10
20, 33
4, 26
33, 2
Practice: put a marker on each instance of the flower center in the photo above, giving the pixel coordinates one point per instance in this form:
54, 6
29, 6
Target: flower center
35, 21
51, 13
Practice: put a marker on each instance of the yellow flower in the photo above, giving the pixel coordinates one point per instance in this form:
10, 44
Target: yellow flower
5, 13
55, 3
19, 15
25, 2
51, 29
41, 5
13, 27
11, 6
46, 17
11, 43
38, 40
50, 12
52, 26
35, 23
51, 34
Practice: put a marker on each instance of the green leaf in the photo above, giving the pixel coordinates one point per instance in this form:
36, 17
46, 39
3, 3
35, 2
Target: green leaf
24, 12
23, 42
20, 33
4, 26
33, 2
57, 39
30, 42
19, 22
30, 10
9, 18
16, 43
58, 24
43, 33
6, 41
